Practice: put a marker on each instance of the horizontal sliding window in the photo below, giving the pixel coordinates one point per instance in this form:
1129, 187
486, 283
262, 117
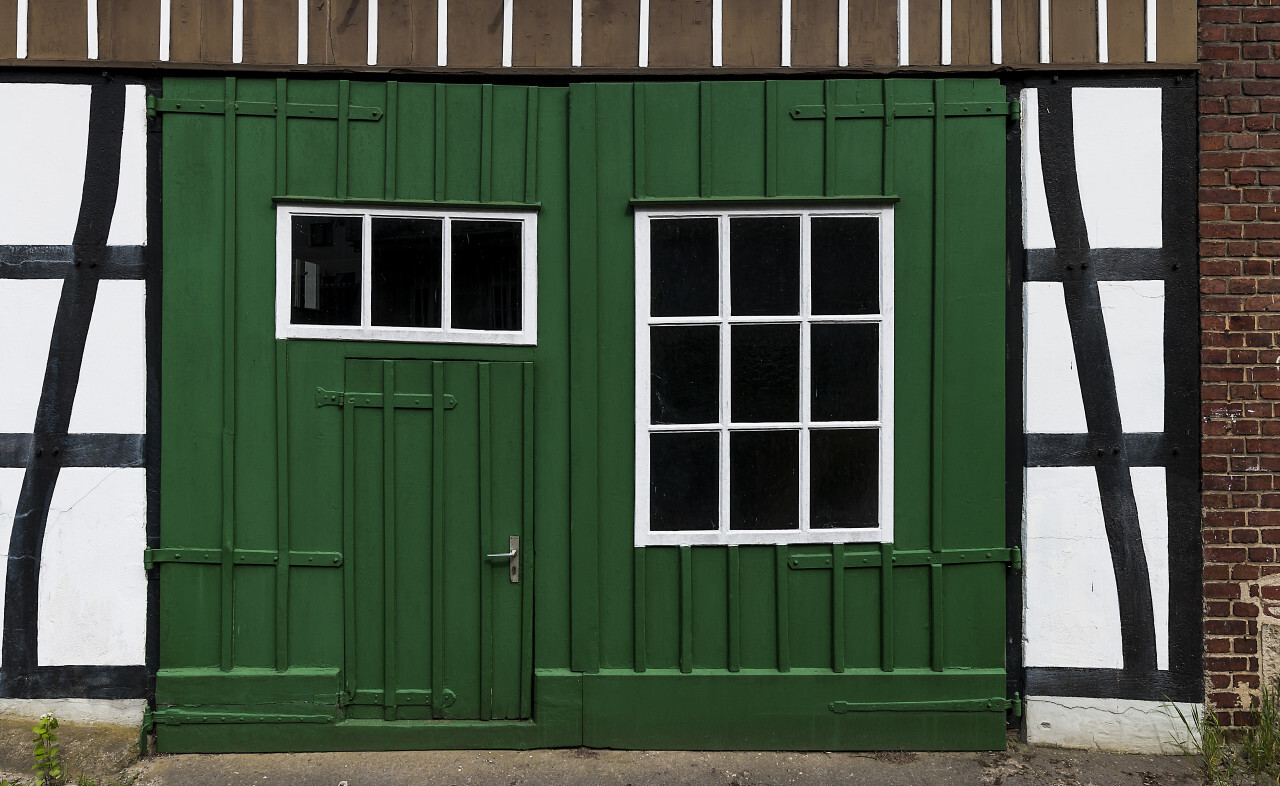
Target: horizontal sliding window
764, 376
406, 275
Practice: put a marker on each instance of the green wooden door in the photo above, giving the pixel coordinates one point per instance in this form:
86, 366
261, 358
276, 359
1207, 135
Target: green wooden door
436, 476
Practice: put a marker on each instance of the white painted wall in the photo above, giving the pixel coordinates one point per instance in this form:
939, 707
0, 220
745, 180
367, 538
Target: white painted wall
112, 395
1133, 312
10, 488
129, 223
42, 155
1118, 157
1037, 232
93, 590
1122, 725
27, 311
1051, 384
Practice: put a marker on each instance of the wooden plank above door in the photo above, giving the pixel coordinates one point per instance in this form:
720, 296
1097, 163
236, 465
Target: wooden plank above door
632, 37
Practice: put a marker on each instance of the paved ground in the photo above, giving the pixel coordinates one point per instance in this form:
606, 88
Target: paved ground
1021, 765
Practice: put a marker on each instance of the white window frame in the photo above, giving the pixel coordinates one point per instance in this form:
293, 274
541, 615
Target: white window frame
643, 428
366, 330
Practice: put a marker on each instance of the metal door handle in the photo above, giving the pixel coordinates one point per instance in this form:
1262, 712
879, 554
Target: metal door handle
513, 555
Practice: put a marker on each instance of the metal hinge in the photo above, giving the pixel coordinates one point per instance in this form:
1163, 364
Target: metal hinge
1015, 558
993, 704
201, 106
340, 398
1015, 111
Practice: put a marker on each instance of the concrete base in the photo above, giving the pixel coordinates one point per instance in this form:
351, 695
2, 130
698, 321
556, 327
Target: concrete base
1118, 725
96, 738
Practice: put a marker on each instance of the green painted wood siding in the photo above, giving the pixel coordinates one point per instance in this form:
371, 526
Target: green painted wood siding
633, 621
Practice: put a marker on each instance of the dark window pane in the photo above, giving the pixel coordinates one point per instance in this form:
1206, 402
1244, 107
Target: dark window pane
846, 371
846, 265
766, 373
486, 275
326, 270
407, 271
764, 263
685, 267
685, 374
764, 480
684, 481
845, 478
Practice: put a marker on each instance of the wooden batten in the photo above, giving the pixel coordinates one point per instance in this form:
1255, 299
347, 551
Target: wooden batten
407, 32
129, 30
680, 33
873, 33
338, 33
610, 33
970, 32
1176, 36
475, 33
924, 23
8, 28
1073, 31
753, 33
57, 30
542, 33
271, 31
200, 31
1020, 32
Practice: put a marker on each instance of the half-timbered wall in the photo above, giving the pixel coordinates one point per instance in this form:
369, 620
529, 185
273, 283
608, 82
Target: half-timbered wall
603, 34
1111, 614
75, 477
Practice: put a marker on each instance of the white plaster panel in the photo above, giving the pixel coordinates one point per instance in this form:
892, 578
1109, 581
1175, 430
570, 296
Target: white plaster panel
112, 394
1117, 725
96, 712
1149, 491
1133, 312
129, 223
1037, 231
42, 152
93, 591
1051, 382
1071, 609
27, 310
1118, 163
10, 488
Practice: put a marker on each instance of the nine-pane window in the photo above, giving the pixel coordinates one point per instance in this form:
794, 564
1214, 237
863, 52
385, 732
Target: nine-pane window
764, 375
406, 275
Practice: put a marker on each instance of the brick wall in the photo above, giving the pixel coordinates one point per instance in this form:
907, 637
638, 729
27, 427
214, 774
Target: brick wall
1240, 304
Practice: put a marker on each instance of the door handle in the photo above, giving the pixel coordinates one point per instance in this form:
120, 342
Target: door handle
513, 555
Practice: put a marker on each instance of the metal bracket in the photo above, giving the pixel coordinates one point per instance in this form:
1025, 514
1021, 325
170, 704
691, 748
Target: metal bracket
156, 106
301, 559
992, 704
339, 398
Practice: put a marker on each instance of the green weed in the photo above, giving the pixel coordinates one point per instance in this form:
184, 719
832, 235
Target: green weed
1252, 760
48, 761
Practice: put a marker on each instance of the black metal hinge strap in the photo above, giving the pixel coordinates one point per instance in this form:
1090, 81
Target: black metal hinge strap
339, 398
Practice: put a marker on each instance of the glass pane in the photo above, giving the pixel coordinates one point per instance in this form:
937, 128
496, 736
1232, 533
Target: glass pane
407, 271
766, 373
846, 265
326, 270
685, 374
764, 262
486, 275
845, 478
684, 481
764, 480
684, 266
846, 371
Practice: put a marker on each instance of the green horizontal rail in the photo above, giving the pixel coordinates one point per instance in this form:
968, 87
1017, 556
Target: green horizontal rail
425, 204
300, 559
967, 109
874, 559
993, 704
258, 108
339, 398
177, 717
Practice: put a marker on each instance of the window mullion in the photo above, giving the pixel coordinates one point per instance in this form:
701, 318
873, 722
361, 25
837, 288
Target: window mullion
725, 371
806, 371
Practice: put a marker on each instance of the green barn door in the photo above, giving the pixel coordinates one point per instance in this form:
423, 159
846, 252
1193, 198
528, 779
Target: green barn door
436, 488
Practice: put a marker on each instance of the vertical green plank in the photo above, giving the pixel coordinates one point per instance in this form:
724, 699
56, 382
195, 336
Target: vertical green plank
531, 146
584, 381
783, 608
486, 541
391, 122
739, 132
282, 502
344, 101
638, 138
228, 370
830, 155
526, 546
890, 108
389, 538
437, 538
349, 542
704, 139
771, 138
735, 608
486, 143
641, 600
442, 141
837, 607
886, 607
282, 136
686, 609
937, 392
